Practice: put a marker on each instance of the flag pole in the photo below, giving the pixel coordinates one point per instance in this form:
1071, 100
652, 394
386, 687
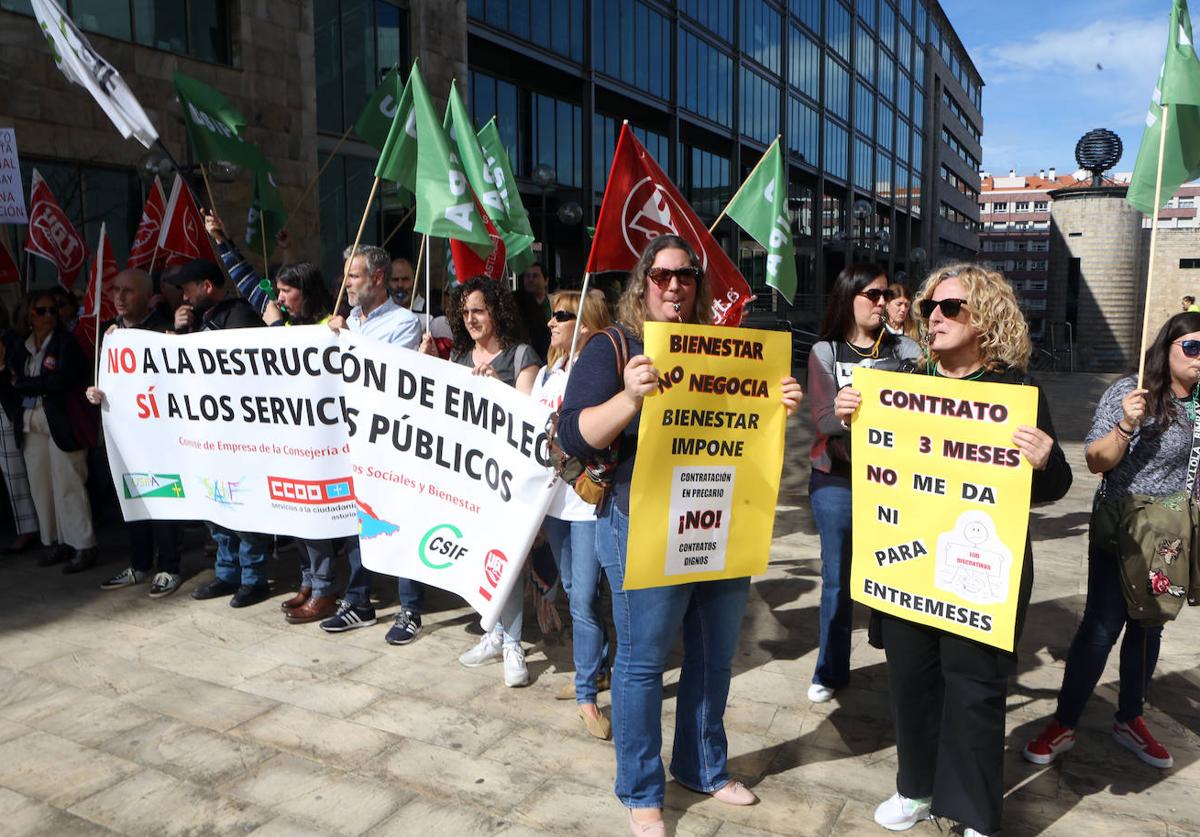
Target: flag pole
396, 228
425, 247
743, 186
262, 226
357, 239
583, 292
417, 270
1162, 145
313, 180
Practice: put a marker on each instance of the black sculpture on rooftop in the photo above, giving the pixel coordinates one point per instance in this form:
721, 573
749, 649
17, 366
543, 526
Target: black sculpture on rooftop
1098, 151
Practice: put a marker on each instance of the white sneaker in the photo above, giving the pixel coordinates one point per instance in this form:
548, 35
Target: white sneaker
819, 694
970, 832
899, 813
515, 672
487, 650
164, 584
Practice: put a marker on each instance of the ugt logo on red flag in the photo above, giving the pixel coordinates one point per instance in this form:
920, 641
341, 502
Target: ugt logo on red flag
145, 241
468, 263
51, 234
640, 204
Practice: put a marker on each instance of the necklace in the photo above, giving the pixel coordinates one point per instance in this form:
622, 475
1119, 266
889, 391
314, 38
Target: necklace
873, 352
1189, 404
931, 369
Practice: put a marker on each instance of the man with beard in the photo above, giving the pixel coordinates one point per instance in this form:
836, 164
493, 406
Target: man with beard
241, 556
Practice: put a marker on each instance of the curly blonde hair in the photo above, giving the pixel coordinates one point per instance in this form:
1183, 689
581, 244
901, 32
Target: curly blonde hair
631, 310
995, 314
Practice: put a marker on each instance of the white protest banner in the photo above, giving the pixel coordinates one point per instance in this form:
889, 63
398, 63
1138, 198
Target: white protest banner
451, 472
244, 427
12, 196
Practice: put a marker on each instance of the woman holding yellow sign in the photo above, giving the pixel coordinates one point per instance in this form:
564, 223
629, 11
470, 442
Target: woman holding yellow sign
602, 406
949, 692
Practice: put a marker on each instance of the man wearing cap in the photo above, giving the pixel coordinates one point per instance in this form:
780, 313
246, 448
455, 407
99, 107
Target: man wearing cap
241, 556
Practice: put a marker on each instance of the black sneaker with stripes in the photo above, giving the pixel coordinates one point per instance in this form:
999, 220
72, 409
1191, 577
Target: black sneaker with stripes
349, 617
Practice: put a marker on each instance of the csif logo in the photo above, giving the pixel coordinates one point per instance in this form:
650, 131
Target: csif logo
443, 541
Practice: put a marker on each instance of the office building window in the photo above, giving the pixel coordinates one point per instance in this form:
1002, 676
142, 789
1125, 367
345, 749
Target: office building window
556, 26
705, 79
887, 76
958, 219
809, 12
864, 52
887, 25
918, 152
490, 97
922, 16
866, 11
714, 15
633, 45
706, 181
904, 95
905, 10
959, 149
864, 177
883, 176
919, 65
837, 28
1041, 206
902, 132
837, 88
963, 186
804, 131
864, 110
1021, 206
805, 65
918, 106
884, 127
904, 48
900, 185
356, 43
605, 132
836, 142
760, 33
760, 107
555, 128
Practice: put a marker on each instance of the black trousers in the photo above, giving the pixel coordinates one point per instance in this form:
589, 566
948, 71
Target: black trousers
948, 698
148, 538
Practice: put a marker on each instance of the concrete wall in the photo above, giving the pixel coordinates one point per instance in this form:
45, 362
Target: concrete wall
1170, 281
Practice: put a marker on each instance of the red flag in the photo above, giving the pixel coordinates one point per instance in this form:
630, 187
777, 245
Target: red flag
640, 204
51, 234
97, 302
9, 274
468, 263
182, 237
145, 241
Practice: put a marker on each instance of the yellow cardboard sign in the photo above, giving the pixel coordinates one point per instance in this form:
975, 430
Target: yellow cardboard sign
710, 452
941, 501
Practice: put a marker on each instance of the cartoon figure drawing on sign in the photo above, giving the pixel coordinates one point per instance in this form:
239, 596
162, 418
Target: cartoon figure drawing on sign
972, 561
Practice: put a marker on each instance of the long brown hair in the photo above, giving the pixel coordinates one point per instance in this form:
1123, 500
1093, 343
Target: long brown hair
1160, 403
631, 310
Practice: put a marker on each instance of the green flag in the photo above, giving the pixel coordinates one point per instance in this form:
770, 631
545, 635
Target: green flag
213, 126
376, 119
266, 209
760, 208
445, 204
517, 233
398, 151
1179, 88
479, 174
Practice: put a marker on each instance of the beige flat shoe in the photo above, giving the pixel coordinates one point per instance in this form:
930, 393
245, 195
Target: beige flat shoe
734, 792
597, 727
658, 828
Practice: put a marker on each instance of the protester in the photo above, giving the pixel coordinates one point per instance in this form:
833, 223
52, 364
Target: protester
131, 293
42, 390
1188, 303
852, 335
1140, 440
375, 314
570, 524
12, 461
602, 407
899, 318
302, 297
533, 301
949, 692
487, 339
241, 561
248, 282
402, 284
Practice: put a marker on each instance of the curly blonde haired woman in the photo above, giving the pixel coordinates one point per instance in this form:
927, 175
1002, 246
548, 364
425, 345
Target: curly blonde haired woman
948, 692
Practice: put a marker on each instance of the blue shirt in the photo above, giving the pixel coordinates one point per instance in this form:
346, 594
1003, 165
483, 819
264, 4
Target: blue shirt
389, 323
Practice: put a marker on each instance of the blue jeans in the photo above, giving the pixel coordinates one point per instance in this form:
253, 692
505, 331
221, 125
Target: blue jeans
573, 543
648, 622
1104, 616
831, 512
241, 556
358, 588
316, 565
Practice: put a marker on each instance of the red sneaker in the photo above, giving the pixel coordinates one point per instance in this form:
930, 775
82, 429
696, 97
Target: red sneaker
1134, 736
1054, 740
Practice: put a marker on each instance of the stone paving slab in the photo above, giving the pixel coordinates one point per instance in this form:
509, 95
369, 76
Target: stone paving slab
119, 714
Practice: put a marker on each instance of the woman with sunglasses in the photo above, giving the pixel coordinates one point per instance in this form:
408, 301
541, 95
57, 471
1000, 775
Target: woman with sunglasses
948, 692
570, 524
852, 334
42, 385
602, 406
1140, 441
489, 338
900, 317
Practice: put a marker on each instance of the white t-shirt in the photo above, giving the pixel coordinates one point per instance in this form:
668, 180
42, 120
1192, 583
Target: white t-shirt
548, 388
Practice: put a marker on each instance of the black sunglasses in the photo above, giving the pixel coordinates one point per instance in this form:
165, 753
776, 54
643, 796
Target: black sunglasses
950, 307
44, 310
562, 316
1191, 348
876, 294
662, 275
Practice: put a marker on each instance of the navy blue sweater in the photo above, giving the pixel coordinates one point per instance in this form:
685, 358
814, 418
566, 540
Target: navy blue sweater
595, 379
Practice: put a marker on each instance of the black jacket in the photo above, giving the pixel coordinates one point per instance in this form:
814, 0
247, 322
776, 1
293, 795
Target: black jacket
231, 312
64, 376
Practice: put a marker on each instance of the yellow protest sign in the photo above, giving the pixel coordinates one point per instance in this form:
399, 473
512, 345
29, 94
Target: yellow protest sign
710, 451
941, 501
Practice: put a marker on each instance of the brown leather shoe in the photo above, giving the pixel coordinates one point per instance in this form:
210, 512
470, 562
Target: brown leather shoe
295, 601
313, 610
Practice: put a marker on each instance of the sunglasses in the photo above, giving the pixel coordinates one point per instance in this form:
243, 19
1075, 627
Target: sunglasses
662, 275
950, 307
43, 310
1191, 348
876, 294
562, 316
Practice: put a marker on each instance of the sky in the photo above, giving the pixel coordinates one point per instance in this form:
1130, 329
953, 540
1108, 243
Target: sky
1055, 69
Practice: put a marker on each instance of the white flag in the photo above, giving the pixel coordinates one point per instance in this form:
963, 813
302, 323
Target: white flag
84, 66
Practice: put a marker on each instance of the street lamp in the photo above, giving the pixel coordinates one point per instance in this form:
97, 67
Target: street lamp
544, 177
861, 209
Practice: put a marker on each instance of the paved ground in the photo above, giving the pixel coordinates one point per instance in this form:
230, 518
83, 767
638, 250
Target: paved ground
182, 717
